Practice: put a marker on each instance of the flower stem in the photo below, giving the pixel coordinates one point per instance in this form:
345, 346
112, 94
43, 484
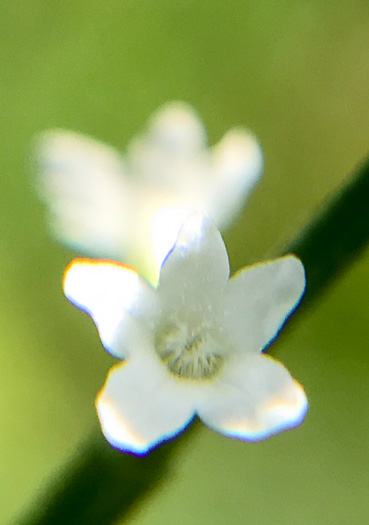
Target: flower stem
101, 484
336, 235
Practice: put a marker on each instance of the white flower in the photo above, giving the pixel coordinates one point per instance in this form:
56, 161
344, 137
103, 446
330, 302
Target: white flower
131, 209
193, 345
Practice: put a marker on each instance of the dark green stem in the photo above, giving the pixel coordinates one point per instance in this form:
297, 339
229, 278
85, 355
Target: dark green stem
101, 484
336, 235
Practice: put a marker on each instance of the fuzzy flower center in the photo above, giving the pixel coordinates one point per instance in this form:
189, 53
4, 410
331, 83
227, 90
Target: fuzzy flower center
189, 352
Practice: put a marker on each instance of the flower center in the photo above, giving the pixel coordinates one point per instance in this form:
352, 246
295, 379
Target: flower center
190, 353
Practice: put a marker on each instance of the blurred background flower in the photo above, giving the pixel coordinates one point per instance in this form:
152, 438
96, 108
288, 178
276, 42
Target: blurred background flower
295, 73
131, 208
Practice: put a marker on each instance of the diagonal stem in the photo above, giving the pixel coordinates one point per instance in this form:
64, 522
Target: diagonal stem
336, 235
101, 484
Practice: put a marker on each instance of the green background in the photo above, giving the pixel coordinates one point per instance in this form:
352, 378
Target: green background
297, 74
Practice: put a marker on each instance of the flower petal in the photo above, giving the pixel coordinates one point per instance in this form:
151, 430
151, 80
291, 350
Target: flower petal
260, 298
237, 163
114, 296
174, 136
197, 268
84, 185
140, 406
254, 399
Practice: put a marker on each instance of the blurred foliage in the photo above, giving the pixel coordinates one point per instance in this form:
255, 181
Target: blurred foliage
296, 73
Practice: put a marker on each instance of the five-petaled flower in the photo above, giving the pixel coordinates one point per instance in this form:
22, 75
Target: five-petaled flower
192, 346
131, 209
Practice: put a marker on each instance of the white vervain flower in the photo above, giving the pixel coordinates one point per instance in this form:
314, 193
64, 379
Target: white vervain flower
130, 209
193, 345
